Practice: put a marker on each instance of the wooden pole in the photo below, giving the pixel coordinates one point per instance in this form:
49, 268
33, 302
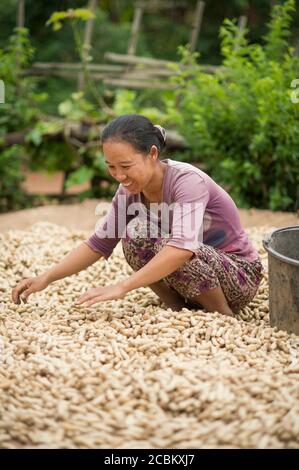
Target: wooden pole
196, 24
135, 30
21, 14
76, 66
153, 5
242, 23
155, 65
81, 132
137, 84
87, 41
20, 24
128, 59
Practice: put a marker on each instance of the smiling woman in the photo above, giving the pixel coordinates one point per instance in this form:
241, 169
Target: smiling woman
135, 173
201, 257
131, 153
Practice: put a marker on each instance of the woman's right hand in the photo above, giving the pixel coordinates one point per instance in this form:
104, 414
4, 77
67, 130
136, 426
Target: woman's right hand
27, 286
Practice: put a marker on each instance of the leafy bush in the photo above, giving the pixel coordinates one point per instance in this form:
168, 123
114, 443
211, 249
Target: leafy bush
241, 121
19, 111
21, 100
11, 177
129, 101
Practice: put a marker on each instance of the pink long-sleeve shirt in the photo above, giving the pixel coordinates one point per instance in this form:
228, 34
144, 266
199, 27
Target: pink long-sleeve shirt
200, 212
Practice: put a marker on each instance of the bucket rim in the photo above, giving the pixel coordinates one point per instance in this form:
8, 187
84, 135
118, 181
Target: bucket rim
274, 253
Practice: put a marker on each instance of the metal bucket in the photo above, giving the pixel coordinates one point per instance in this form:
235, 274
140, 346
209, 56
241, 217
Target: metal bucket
283, 255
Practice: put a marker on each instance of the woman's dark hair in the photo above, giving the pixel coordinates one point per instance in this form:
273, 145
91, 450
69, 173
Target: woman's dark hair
137, 130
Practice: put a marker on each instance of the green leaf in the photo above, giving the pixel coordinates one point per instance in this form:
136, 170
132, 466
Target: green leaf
100, 163
80, 176
71, 14
34, 136
65, 108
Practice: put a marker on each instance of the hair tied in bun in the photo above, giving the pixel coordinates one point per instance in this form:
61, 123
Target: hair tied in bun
162, 130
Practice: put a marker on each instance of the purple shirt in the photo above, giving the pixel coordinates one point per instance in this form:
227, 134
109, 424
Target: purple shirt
195, 201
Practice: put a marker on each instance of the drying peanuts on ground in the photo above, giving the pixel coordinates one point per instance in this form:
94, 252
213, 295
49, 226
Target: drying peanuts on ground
130, 373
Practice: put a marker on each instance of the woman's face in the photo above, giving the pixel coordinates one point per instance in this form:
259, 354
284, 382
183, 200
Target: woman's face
128, 166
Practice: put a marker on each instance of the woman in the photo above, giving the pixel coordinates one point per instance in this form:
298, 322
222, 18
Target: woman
180, 231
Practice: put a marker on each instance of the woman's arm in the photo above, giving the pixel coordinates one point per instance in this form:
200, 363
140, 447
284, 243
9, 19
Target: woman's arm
79, 258
162, 264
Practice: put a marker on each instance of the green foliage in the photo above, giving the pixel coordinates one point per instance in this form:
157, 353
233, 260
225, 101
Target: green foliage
77, 107
20, 111
82, 175
125, 102
21, 100
51, 155
279, 30
35, 135
73, 16
109, 35
241, 121
87, 164
57, 17
11, 177
129, 102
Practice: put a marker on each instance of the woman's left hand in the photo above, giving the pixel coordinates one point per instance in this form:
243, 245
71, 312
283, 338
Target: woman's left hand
100, 294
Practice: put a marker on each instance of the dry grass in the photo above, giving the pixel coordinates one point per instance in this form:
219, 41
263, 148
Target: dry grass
130, 374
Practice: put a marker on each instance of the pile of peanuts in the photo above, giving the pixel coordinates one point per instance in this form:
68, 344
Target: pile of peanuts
129, 373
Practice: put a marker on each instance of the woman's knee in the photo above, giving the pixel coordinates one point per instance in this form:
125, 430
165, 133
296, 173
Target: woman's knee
137, 252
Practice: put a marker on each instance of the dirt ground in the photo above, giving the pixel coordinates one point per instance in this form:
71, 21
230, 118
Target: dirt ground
82, 216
